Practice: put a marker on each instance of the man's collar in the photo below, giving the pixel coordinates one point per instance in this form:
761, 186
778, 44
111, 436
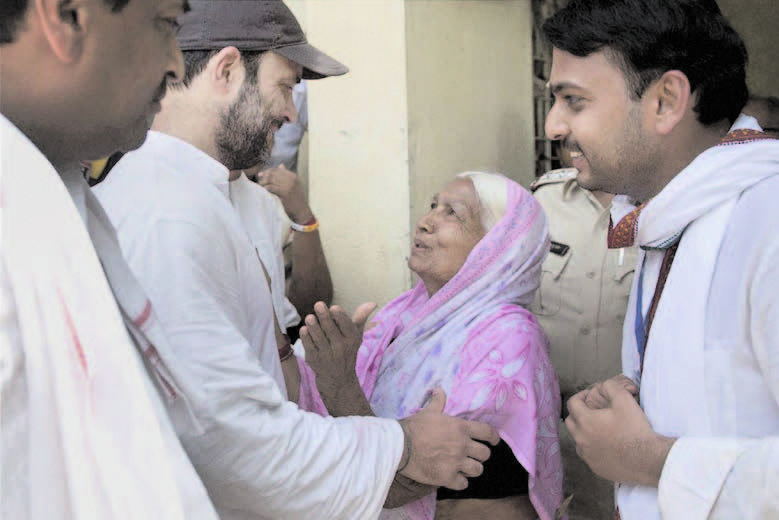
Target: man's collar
189, 158
745, 121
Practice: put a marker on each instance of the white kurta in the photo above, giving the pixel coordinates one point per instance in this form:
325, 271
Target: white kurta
84, 432
262, 216
260, 456
735, 475
711, 373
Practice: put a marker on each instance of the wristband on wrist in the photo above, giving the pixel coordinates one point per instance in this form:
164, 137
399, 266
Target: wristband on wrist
286, 352
406, 457
311, 225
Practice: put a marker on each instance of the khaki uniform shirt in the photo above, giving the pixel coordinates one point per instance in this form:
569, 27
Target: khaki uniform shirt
584, 287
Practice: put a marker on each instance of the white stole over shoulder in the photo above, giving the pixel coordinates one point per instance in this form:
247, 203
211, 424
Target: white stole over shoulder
697, 205
97, 431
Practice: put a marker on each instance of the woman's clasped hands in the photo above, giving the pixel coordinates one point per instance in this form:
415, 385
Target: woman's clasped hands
331, 339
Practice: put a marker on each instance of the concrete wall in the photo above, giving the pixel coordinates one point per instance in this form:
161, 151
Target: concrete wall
436, 87
469, 92
757, 21
358, 147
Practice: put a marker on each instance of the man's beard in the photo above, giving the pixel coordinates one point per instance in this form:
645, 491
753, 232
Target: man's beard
245, 136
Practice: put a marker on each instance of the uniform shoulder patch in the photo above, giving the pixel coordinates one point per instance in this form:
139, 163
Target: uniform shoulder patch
554, 177
558, 248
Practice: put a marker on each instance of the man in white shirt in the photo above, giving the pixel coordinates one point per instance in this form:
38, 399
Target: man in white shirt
268, 220
85, 432
172, 202
294, 258
295, 261
648, 95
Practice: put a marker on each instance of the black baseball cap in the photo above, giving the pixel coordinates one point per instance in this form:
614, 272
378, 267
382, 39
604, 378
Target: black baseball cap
253, 25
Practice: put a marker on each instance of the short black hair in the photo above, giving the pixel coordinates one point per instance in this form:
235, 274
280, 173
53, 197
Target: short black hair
12, 13
195, 62
647, 38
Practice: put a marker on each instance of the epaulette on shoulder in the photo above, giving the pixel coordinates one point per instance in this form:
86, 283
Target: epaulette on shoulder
554, 177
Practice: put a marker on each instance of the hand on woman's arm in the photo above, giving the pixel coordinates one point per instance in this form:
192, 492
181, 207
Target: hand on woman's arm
434, 445
404, 491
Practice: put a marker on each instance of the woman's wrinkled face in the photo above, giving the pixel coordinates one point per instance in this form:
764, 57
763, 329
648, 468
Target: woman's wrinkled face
446, 235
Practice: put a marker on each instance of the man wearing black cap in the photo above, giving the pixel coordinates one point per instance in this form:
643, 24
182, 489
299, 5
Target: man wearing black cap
172, 202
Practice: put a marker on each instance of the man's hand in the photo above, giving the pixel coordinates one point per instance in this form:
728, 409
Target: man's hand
442, 450
286, 186
595, 397
616, 440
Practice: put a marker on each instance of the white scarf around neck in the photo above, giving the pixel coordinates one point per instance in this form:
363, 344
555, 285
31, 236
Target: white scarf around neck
96, 449
695, 205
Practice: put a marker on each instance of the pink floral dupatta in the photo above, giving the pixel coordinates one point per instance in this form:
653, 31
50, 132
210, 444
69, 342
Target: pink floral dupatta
475, 339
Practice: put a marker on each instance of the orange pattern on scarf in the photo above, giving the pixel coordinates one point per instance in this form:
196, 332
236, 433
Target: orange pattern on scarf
624, 233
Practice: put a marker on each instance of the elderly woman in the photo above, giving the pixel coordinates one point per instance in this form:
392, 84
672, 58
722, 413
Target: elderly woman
465, 329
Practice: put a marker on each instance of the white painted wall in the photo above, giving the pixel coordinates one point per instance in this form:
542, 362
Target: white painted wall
358, 147
436, 87
757, 21
469, 91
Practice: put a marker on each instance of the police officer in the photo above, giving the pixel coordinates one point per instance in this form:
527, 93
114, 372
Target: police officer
581, 305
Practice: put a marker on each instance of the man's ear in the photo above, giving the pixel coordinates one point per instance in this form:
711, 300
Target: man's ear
224, 69
671, 98
62, 23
